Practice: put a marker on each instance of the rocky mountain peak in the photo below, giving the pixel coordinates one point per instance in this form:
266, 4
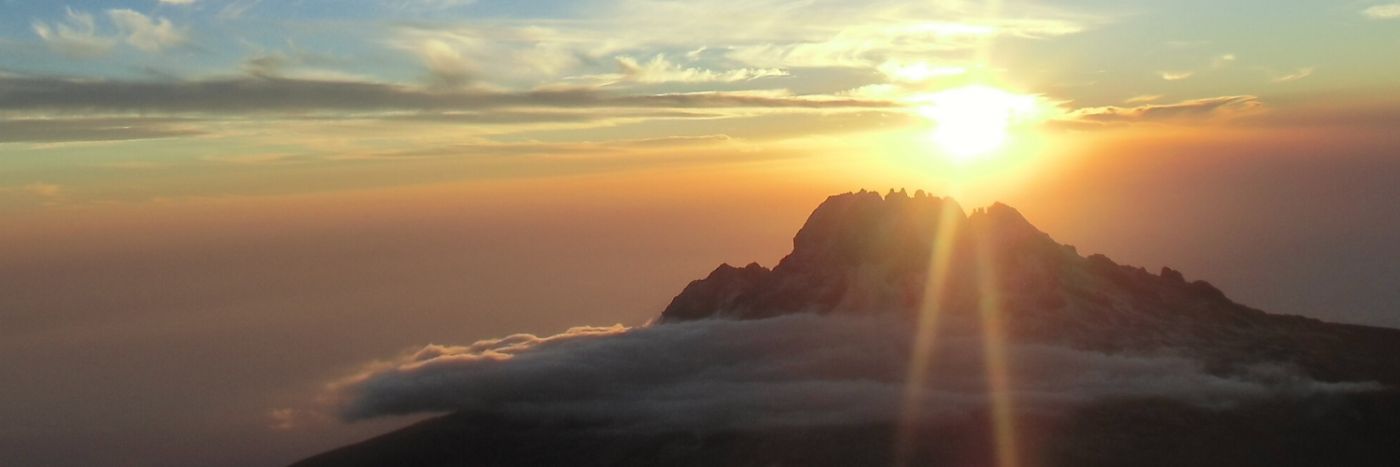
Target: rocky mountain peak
866, 253
1307, 392
855, 228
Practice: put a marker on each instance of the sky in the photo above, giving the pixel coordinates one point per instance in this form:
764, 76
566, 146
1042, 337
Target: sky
209, 209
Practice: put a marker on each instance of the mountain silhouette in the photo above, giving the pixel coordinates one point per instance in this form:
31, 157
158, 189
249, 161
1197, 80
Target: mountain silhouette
863, 253
923, 261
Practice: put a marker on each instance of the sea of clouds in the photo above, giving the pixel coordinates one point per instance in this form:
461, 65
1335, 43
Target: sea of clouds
795, 370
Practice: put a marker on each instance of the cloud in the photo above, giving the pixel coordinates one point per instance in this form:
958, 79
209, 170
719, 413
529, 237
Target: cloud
296, 64
1294, 75
661, 70
78, 36
798, 370
1175, 75
872, 44
1207, 108
286, 95
75, 37
177, 2
281, 419
867, 45
293, 419
266, 65
1386, 11
445, 64
516, 117
676, 146
43, 109
1223, 60
236, 9
59, 130
1142, 99
774, 35
513, 54
1216, 62
145, 33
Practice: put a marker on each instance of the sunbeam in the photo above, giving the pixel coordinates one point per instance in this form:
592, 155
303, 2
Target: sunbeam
989, 304
949, 223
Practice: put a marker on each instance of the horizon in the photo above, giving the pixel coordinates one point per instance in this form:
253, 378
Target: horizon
211, 210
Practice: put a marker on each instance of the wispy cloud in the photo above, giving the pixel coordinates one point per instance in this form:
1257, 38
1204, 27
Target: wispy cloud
661, 70
1294, 75
446, 65
236, 9
75, 36
1213, 107
146, 33
492, 54
295, 95
773, 35
1386, 11
1142, 99
1223, 60
1176, 75
48, 110
72, 129
78, 35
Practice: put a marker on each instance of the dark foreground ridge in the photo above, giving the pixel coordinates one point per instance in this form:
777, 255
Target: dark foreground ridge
912, 256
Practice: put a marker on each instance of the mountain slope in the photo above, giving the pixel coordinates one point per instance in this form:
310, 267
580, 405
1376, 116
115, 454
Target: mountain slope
863, 253
1319, 393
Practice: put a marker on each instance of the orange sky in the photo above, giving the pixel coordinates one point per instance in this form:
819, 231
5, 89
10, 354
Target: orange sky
203, 222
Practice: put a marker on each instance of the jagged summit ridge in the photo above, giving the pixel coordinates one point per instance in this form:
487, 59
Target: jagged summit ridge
861, 252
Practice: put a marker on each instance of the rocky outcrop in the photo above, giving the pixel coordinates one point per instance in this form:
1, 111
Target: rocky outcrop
725, 288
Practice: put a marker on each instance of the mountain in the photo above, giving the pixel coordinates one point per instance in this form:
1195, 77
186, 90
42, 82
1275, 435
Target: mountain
864, 253
1319, 393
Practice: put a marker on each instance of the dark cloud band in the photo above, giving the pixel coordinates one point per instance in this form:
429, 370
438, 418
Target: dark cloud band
284, 95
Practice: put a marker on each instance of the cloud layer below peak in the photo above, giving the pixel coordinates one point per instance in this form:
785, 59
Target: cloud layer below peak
801, 370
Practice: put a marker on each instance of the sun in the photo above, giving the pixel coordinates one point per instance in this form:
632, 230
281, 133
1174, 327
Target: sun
975, 121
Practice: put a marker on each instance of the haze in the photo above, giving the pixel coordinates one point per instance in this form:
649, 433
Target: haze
209, 209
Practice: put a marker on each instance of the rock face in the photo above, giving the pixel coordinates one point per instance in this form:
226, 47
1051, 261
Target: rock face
866, 253
858, 252
863, 253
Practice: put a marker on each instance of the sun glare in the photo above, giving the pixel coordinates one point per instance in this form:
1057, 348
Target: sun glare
974, 121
